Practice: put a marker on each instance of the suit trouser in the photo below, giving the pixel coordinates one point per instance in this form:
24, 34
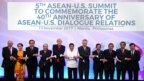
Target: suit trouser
84, 70
32, 70
9, 72
98, 72
58, 72
45, 70
120, 73
109, 73
72, 72
135, 74
129, 70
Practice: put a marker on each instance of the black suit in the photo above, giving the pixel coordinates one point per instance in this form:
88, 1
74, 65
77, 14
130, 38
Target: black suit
98, 65
8, 64
84, 62
32, 62
121, 66
135, 64
58, 62
45, 64
109, 66
126, 64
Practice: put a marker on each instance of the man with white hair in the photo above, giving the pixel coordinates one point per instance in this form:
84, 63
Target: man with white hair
9, 54
58, 61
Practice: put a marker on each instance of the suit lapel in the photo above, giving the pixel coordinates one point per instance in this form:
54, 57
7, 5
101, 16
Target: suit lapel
85, 50
8, 50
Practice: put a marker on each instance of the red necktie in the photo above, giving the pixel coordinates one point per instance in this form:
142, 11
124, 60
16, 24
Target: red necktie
58, 60
59, 47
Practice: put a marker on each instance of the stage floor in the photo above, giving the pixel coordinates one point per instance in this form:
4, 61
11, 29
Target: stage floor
2, 79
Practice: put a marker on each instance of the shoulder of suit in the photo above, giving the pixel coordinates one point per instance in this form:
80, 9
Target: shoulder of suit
137, 51
5, 47
80, 47
24, 51
54, 44
101, 50
63, 45
41, 50
126, 50
113, 50
27, 47
94, 51
50, 50
118, 49
106, 50
88, 47
14, 48
36, 47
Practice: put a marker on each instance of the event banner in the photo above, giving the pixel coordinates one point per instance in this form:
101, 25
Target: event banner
56, 16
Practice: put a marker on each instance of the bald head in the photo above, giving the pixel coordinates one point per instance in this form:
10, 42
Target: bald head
59, 41
45, 46
10, 43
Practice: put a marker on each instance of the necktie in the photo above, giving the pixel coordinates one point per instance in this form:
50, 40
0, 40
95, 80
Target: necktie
98, 51
45, 52
84, 48
31, 48
110, 52
122, 51
10, 49
132, 52
59, 47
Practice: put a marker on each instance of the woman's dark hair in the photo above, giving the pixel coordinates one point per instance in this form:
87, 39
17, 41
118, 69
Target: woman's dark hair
20, 44
71, 44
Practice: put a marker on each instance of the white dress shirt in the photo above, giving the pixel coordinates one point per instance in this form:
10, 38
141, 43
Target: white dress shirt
71, 61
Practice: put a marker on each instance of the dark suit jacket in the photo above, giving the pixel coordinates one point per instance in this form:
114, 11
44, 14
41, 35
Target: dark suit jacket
135, 60
110, 57
85, 55
121, 56
43, 62
32, 59
6, 56
97, 63
58, 51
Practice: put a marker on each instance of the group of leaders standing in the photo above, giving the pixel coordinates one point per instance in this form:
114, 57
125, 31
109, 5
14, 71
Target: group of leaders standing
15, 61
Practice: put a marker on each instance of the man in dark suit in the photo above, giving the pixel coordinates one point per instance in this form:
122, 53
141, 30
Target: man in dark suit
135, 57
45, 62
120, 60
9, 54
98, 62
109, 65
84, 52
58, 61
32, 53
